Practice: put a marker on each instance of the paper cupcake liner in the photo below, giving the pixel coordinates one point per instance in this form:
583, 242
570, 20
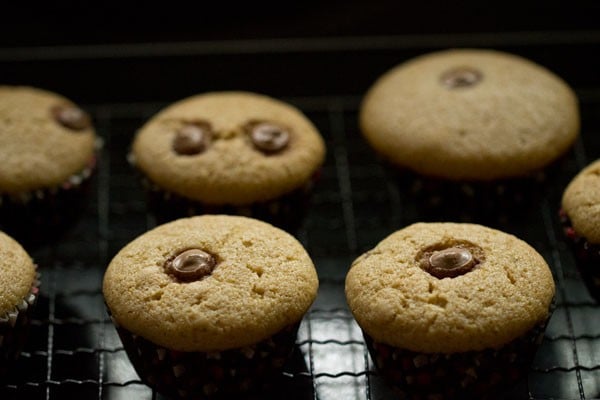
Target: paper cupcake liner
471, 201
468, 375
14, 327
38, 215
486, 202
286, 212
210, 375
587, 255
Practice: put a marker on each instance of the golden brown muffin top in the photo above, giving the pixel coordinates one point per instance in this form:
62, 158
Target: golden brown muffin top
44, 139
398, 300
202, 148
263, 280
581, 202
17, 273
470, 115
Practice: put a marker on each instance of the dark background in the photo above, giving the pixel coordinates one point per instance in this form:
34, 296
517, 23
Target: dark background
143, 52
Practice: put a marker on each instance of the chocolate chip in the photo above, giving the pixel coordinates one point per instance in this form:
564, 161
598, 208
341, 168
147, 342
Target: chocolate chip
191, 265
192, 138
450, 262
71, 117
461, 77
269, 137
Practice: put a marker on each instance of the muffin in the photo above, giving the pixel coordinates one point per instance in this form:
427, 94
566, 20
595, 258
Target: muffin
580, 218
470, 130
209, 306
451, 310
19, 285
48, 152
232, 153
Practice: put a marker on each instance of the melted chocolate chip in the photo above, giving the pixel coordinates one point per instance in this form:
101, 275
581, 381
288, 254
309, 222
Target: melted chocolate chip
191, 265
269, 137
461, 77
192, 138
71, 117
450, 262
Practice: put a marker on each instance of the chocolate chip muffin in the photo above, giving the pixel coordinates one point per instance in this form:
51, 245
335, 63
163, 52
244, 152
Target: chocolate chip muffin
48, 152
581, 223
451, 310
229, 152
470, 129
19, 292
210, 305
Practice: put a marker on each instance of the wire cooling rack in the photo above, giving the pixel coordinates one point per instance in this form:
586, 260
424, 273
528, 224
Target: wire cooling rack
74, 351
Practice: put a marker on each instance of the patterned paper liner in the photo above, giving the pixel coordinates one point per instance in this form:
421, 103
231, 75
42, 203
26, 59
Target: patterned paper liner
14, 327
286, 212
586, 253
468, 375
37, 215
487, 202
210, 375
467, 201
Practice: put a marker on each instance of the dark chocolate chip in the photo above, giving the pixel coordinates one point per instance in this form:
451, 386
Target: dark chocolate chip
191, 265
71, 117
192, 138
450, 262
461, 77
269, 137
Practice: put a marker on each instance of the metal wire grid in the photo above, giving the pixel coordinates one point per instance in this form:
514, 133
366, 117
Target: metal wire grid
74, 351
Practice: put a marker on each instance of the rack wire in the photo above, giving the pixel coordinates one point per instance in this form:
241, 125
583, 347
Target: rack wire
74, 351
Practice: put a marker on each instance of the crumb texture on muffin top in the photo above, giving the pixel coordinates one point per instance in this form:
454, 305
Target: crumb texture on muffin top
262, 282
17, 273
581, 202
396, 301
37, 151
470, 115
229, 169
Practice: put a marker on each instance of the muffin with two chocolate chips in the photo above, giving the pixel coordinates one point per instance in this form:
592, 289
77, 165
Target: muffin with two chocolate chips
451, 310
210, 305
48, 153
229, 152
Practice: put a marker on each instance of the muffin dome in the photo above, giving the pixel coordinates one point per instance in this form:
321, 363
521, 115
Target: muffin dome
470, 115
262, 280
398, 300
229, 148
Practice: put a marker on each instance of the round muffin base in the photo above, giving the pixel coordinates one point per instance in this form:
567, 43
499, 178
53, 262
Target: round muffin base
14, 328
587, 256
210, 375
286, 212
41, 216
468, 375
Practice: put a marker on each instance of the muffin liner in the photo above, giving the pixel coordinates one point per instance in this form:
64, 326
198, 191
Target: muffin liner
36, 216
587, 255
286, 212
473, 374
210, 375
467, 201
14, 327
486, 202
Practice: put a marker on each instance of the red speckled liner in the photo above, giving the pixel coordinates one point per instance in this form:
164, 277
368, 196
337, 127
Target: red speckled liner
586, 253
39, 216
286, 212
210, 375
468, 201
14, 327
469, 375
